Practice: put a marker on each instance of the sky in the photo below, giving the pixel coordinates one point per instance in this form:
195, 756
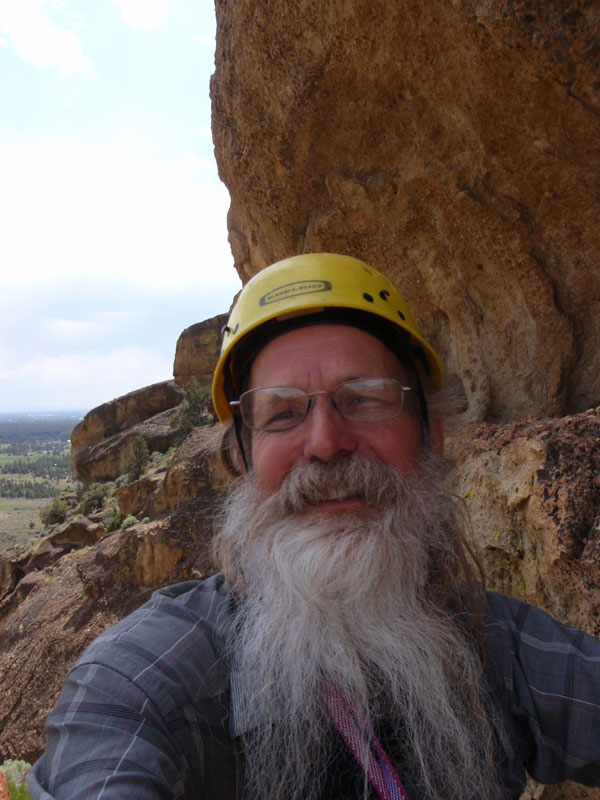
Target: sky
113, 231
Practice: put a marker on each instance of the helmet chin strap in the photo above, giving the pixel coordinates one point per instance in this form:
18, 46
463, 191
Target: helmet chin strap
238, 423
238, 426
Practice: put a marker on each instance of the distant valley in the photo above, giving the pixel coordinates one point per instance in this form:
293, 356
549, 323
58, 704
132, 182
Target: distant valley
35, 465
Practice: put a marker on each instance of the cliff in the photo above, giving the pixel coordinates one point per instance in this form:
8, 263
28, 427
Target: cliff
452, 145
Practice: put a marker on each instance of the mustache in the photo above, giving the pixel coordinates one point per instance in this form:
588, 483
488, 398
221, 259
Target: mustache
312, 482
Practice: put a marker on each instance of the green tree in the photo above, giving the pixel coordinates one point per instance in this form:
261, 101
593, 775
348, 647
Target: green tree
92, 498
194, 411
54, 512
137, 461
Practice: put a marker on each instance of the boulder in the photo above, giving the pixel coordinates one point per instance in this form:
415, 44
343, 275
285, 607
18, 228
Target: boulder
197, 351
74, 535
122, 413
101, 517
44, 555
78, 533
532, 489
11, 571
196, 469
451, 145
133, 497
106, 459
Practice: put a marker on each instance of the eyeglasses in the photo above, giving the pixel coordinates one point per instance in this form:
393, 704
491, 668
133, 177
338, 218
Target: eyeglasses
278, 408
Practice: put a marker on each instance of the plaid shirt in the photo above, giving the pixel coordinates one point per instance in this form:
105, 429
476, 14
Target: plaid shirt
151, 709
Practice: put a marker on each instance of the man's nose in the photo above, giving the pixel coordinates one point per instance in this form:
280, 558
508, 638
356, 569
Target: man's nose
327, 436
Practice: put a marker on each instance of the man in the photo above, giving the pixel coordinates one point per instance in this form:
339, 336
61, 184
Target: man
346, 649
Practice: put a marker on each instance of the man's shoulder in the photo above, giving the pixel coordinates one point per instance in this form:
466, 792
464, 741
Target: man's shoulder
178, 636
516, 631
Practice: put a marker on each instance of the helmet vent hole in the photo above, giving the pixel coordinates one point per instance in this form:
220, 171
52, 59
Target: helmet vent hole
400, 314
368, 297
384, 294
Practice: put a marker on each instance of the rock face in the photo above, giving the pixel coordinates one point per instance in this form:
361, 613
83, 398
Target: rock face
4, 792
79, 533
532, 489
106, 460
198, 350
103, 440
133, 498
124, 412
452, 145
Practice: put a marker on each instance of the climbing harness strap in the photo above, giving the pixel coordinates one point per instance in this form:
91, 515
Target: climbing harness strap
364, 745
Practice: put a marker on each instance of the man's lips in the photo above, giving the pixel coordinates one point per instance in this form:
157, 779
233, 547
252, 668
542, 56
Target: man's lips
336, 502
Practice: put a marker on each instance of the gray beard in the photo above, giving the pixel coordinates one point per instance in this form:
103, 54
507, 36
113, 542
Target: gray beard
358, 600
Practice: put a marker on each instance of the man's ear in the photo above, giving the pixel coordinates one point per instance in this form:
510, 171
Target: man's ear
436, 435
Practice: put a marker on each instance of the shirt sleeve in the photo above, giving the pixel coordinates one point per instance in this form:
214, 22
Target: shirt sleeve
106, 740
551, 690
144, 713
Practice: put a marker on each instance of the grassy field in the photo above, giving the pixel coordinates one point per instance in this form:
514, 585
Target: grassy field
44, 435
6, 459
16, 514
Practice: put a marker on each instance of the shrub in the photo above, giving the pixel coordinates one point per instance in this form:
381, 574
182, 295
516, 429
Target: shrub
93, 497
155, 459
137, 461
16, 773
122, 480
194, 411
54, 512
129, 521
115, 522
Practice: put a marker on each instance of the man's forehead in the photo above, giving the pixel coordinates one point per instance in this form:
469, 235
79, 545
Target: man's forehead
334, 346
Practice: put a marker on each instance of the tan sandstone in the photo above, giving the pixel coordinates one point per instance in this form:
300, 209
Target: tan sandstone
107, 458
102, 442
197, 351
4, 793
452, 145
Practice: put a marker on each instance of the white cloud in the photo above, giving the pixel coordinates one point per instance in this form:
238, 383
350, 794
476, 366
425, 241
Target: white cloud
70, 209
96, 374
205, 130
143, 14
37, 39
81, 380
99, 327
203, 40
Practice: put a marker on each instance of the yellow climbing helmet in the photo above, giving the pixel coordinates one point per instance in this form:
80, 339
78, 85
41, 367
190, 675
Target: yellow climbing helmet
313, 284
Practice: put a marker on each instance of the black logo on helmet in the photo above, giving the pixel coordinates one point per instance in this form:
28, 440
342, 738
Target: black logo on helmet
294, 289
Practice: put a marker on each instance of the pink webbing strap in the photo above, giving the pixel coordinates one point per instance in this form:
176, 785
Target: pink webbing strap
364, 745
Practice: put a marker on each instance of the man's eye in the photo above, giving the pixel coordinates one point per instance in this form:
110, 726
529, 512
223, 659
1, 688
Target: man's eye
283, 414
359, 400
275, 417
